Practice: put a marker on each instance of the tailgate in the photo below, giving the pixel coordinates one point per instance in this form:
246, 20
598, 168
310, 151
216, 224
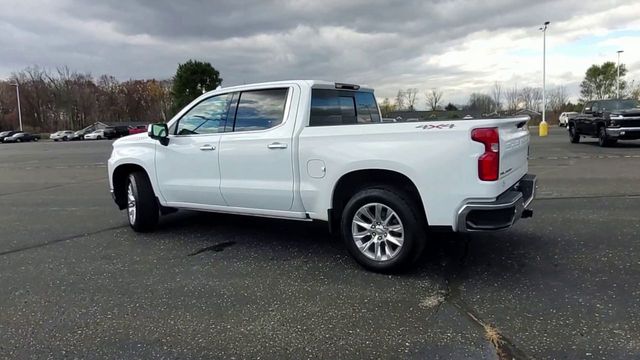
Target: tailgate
514, 148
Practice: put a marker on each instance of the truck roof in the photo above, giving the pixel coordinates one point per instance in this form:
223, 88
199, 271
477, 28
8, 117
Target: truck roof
317, 84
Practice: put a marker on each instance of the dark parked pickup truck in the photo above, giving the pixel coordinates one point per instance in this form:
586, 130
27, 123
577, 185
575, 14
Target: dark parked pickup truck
112, 132
608, 120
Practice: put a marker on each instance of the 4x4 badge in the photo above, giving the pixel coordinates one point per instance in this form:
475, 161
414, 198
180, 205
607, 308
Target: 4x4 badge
438, 126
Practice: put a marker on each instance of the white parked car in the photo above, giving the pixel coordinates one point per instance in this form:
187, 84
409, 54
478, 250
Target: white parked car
314, 150
95, 135
63, 135
563, 120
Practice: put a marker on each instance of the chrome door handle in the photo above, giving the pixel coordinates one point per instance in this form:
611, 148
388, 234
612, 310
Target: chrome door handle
207, 147
277, 145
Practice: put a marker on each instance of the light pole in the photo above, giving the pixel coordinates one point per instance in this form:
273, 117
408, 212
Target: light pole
18, 99
543, 129
618, 78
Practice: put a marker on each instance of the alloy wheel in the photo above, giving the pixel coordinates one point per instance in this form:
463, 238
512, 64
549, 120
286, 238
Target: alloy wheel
377, 231
131, 204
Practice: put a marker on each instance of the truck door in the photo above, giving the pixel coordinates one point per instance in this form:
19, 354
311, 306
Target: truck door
257, 151
584, 118
590, 123
187, 168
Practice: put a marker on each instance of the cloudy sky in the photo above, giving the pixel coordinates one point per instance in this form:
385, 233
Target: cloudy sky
456, 46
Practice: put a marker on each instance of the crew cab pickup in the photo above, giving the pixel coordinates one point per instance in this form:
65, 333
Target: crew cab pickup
315, 150
608, 120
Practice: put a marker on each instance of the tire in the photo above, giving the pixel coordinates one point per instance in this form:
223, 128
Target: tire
603, 139
56, 140
574, 137
64, 139
18, 140
99, 137
145, 207
35, 139
405, 218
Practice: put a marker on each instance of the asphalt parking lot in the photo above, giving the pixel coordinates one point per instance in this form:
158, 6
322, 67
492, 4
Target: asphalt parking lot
76, 282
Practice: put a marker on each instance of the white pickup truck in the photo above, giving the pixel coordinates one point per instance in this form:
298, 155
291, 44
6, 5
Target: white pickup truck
315, 150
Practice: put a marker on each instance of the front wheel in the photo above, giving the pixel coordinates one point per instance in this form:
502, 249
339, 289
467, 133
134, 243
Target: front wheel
603, 138
99, 137
574, 137
142, 207
383, 229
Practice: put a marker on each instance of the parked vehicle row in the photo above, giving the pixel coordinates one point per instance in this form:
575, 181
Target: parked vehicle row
91, 133
64, 135
17, 137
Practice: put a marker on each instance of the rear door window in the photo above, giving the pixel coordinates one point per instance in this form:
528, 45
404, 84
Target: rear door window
260, 109
336, 107
367, 108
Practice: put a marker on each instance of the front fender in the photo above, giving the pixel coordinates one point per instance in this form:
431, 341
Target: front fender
140, 154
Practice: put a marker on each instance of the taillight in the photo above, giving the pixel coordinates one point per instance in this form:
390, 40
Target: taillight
489, 162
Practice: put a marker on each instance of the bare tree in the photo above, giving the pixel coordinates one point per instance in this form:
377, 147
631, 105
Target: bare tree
480, 102
557, 99
65, 99
400, 100
531, 97
512, 96
634, 90
386, 107
496, 94
410, 95
433, 97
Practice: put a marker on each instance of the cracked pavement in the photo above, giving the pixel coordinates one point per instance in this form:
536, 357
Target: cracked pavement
78, 283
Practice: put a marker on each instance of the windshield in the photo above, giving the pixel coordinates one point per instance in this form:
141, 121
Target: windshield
619, 104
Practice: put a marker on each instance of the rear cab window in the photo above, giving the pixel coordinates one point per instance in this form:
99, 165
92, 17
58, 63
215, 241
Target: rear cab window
342, 107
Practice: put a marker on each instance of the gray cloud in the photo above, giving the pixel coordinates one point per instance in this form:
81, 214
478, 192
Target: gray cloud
383, 43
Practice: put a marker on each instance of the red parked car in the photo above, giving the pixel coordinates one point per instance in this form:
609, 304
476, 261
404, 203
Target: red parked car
137, 129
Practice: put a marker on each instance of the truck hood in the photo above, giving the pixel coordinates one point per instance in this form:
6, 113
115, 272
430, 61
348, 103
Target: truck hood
627, 112
131, 138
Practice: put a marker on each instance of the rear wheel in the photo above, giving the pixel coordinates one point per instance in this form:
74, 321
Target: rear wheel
383, 229
99, 137
574, 137
142, 207
18, 140
64, 139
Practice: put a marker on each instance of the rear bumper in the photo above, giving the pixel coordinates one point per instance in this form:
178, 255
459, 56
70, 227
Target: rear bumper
501, 213
624, 133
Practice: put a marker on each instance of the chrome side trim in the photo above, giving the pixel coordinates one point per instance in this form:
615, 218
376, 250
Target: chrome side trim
276, 214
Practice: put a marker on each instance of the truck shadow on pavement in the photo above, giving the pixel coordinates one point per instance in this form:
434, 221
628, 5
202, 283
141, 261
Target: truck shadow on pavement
447, 255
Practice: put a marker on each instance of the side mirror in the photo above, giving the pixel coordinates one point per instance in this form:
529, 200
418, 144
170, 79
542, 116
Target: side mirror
587, 111
159, 132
